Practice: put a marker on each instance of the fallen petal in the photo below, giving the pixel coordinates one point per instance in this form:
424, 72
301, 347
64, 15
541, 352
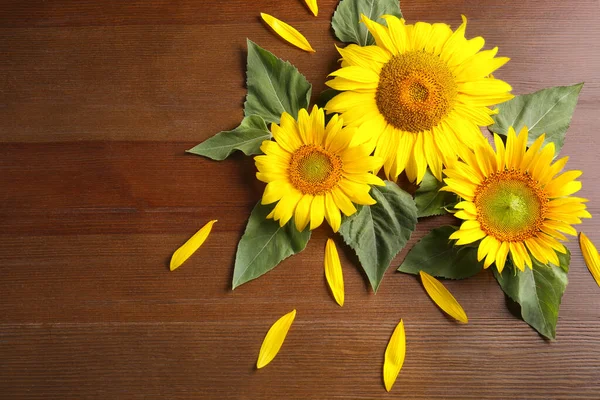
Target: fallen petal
287, 32
274, 339
394, 356
590, 255
333, 272
190, 247
312, 5
443, 298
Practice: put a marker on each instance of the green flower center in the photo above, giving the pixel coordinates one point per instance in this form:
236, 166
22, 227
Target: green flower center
315, 167
313, 170
510, 206
416, 91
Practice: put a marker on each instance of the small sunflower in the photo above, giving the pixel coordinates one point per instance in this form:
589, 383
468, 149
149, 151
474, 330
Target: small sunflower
315, 171
514, 201
422, 90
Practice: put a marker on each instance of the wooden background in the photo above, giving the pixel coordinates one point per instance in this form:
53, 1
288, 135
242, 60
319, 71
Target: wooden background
99, 100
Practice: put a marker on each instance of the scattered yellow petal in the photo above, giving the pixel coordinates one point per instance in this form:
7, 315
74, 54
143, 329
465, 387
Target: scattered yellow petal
443, 298
274, 339
287, 32
394, 356
189, 247
333, 272
590, 255
312, 4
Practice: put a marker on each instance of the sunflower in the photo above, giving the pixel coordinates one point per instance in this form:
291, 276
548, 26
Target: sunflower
422, 90
514, 201
315, 171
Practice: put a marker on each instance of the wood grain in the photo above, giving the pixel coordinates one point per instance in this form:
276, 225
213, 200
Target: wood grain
99, 100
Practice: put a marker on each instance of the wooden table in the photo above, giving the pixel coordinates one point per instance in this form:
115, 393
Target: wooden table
99, 100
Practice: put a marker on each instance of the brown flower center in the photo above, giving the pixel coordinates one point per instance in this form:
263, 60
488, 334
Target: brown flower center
416, 91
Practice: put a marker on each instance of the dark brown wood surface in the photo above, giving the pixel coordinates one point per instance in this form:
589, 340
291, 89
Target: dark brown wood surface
99, 100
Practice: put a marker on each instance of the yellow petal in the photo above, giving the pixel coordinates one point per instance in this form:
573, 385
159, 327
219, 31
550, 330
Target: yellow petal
302, 213
317, 211
380, 33
443, 298
492, 250
343, 202
312, 5
394, 356
332, 213
333, 272
556, 187
590, 255
501, 255
274, 339
190, 247
287, 32
356, 74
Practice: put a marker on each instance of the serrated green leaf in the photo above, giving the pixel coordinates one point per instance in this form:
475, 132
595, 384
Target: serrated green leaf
264, 245
539, 291
274, 86
247, 138
564, 260
437, 255
377, 233
547, 111
430, 200
346, 19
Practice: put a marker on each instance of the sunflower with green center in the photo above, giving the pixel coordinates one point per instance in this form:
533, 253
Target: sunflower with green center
315, 171
514, 202
422, 90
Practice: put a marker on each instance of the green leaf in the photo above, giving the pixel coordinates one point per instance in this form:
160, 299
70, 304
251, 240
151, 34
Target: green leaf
539, 292
430, 200
247, 138
274, 86
437, 255
377, 233
264, 245
346, 19
547, 111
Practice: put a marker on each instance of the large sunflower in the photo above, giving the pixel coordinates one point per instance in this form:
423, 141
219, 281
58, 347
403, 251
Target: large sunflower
423, 91
514, 201
315, 171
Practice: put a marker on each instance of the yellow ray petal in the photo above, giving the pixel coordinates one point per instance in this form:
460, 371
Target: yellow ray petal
380, 33
274, 339
312, 5
332, 213
492, 251
302, 213
287, 32
317, 211
501, 255
590, 255
333, 272
394, 356
443, 298
190, 247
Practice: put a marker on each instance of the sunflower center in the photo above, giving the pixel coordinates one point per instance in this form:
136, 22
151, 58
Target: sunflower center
510, 206
313, 170
416, 91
